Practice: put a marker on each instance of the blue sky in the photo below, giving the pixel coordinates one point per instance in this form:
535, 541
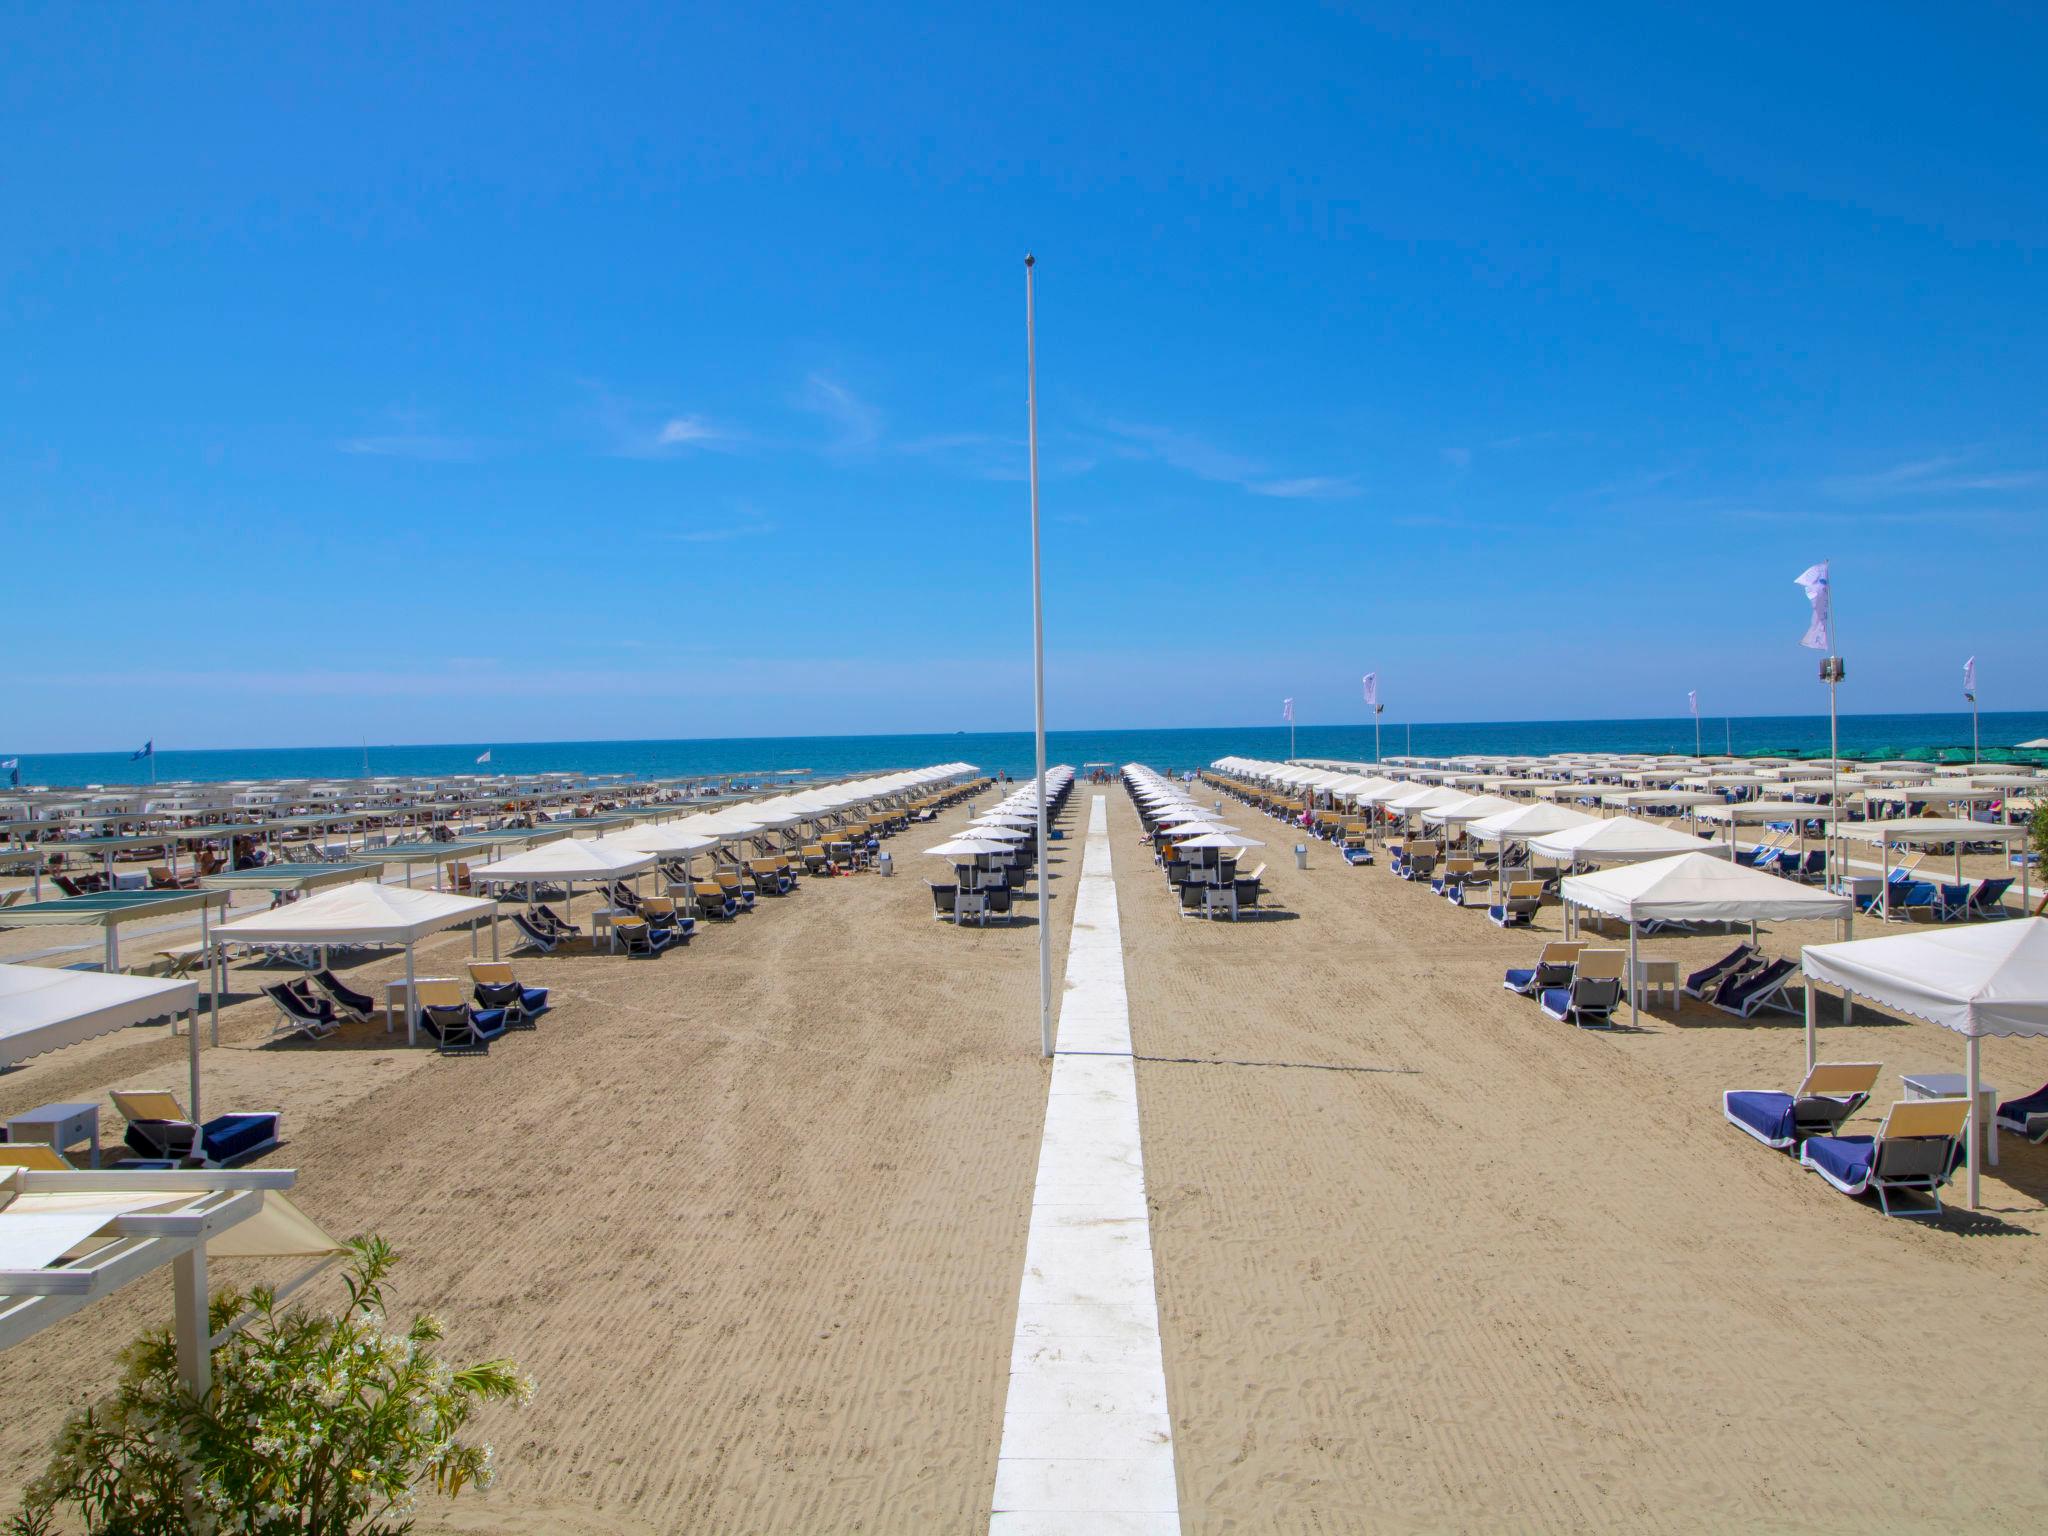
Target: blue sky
527, 373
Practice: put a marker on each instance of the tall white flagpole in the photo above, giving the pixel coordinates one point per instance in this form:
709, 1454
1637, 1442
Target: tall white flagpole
1038, 675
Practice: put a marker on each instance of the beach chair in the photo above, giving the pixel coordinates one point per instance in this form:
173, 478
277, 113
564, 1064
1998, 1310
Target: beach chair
1912, 896
456, 1028
622, 897
494, 984
159, 1128
713, 901
734, 889
817, 861
1594, 993
1519, 906
996, 902
357, 1005
1553, 968
33, 1155
1453, 874
1420, 861
663, 918
1832, 1092
1917, 1149
533, 936
1952, 900
1747, 993
1988, 900
550, 919
1192, 903
1702, 981
768, 878
1357, 853
2026, 1116
1248, 888
312, 1018
161, 879
945, 900
637, 936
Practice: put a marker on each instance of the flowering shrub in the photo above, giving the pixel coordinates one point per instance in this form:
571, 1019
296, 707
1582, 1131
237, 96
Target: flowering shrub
314, 1425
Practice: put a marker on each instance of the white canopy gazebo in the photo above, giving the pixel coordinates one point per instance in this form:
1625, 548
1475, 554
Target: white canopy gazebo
1615, 840
1983, 979
46, 1009
366, 912
1696, 888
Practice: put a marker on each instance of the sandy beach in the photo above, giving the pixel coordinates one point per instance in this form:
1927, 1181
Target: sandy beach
753, 1214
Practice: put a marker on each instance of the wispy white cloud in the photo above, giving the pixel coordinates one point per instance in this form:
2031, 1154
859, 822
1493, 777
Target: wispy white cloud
1307, 488
627, 428
1205, 461
1945, 474
856, 426
429, 447
680, 431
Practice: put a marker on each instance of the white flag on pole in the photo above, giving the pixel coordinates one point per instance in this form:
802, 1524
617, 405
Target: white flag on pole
1287, 710
1970, 679
484, 756
1692, 697
1372, 690
1820, 635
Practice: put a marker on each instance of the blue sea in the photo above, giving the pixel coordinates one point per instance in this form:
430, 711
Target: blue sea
1936, 737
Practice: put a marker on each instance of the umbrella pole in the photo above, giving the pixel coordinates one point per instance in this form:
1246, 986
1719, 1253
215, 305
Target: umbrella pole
1812, 1046
1976, 1127
411, 1008
1635, 978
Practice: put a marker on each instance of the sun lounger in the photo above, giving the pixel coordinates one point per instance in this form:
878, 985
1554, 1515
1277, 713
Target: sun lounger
817, 861
2026, 1116
1988, 900
158, 1127
1593, 994
357, 1005
1248, 888
301, 1015
663, 918
1704, 980
1832, 1092
769, 880
1747, 993
730, 880
1916, 1149
456, 1028
161, 879
1553, 968
533, 936
552, 921
33, 1155
1524, 898
945, 900
713, 901
639, 937
494, 985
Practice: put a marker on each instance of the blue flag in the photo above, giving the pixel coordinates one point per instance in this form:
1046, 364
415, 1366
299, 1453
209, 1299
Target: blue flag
148, 750
13, 767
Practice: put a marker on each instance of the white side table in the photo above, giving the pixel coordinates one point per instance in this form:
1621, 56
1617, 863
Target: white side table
59, 1127
1954, 1085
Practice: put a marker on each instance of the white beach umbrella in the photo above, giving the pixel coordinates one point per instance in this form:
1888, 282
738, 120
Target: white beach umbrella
967, 848
1222, 840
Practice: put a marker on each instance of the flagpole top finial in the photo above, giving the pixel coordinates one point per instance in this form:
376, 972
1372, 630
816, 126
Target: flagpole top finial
1030, 260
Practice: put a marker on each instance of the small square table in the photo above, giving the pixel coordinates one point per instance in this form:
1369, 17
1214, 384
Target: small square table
58, 1126
1659, 976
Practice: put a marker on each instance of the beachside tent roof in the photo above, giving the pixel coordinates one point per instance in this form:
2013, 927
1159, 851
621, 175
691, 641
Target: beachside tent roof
1424, 799
662, 838
1619, 839
1701, 888
1471, 808
1528, 821
1222, 840
362, 913
573, 858
1924, 829
288, 877
1983, 979
42, 1009
967, 848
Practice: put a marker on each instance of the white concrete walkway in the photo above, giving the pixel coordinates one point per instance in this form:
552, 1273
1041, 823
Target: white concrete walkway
1087, 1445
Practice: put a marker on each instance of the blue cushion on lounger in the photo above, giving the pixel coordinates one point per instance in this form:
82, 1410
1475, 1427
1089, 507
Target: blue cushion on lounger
533, 999
1767, 1116
1845, 1159
489, 1022
1518, 980
1556, 1000
228, 1137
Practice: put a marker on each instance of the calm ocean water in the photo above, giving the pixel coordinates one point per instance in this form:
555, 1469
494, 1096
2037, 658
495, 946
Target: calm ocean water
1861, 735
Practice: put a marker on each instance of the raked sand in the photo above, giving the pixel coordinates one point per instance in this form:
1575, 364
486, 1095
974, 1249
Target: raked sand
755, 1215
